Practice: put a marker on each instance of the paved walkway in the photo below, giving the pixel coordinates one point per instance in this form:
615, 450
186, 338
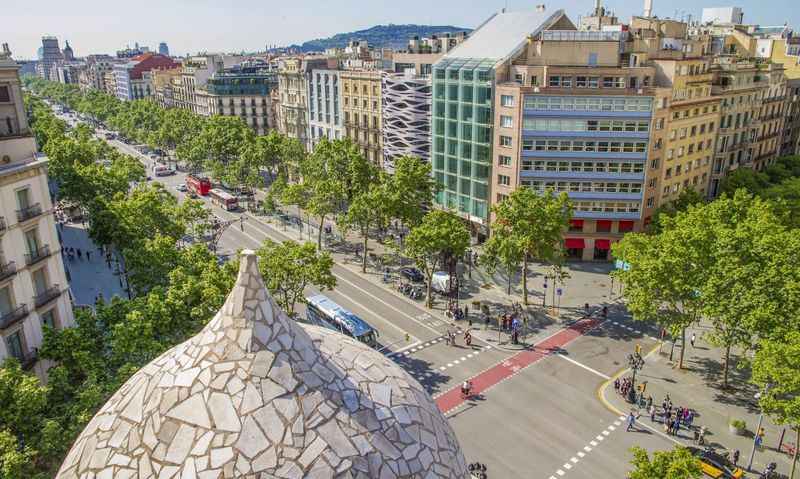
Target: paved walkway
698, 386
88, 277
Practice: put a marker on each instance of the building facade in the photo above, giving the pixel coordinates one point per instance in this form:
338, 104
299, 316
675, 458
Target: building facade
92, 76
361, 104
324, 106
163, 80
243, 91
134, 79
293, 80
406, 112
51, 55
33, 287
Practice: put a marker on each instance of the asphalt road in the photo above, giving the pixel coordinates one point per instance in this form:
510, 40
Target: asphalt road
546, 420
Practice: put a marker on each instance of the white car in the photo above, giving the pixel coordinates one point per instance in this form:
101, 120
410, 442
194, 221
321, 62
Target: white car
181, 187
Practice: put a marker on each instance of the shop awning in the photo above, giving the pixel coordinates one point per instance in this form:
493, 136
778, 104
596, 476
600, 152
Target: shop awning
602, 244
574, 243
604, 224
625, 226
576, 223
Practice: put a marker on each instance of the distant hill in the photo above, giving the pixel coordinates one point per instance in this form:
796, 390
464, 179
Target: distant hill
394, 36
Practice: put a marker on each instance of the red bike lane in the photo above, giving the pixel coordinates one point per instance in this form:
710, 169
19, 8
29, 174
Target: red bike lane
451, 399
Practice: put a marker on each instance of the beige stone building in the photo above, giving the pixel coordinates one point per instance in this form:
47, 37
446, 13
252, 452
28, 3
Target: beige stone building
163, 81
361, 105
293, 80
34, 293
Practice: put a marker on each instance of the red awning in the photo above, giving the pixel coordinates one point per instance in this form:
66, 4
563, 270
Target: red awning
574, 243
625, 226
577, 223
602, 244
604, 223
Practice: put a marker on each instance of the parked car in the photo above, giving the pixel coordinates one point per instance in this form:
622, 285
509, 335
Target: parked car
181, 187
412, 274
715, 465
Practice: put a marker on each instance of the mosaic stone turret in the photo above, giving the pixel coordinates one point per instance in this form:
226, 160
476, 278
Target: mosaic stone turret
258, 395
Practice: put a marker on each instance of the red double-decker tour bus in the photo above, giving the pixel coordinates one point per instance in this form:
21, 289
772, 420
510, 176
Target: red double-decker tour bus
200, 186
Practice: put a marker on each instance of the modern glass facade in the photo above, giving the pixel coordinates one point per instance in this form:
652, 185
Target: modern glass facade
462, 134
243, 83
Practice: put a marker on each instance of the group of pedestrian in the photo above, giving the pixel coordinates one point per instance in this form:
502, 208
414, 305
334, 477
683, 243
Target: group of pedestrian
71, 253
623, 387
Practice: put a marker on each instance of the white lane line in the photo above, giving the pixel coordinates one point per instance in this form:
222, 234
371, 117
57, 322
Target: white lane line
404, 350
449, 365
560, 472
581, 454
606, 433
456, 361
463, 358
599, 437
567, 466
594, 371
611, 428
574, 459
593, 443
617, 423
442, 368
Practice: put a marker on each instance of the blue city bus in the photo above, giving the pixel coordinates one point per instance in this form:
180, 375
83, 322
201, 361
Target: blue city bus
322, 311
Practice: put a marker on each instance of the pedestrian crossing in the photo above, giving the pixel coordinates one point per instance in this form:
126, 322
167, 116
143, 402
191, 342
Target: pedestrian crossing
594, 443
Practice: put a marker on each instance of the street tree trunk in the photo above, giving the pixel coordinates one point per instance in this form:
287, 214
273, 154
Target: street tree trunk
429, 293
508, 283
796, 446
525, 280
683, 347
725, 368
364, 258
319, 232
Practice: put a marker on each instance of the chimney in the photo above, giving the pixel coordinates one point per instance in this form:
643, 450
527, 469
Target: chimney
540, 8
648, 8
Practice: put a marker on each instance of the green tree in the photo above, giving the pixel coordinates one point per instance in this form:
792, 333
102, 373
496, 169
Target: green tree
367, 210
504, 251
687, 197
288, 268
439, 235
777, 364
532, 222
678, 463
667, 272
219, 143
412, 188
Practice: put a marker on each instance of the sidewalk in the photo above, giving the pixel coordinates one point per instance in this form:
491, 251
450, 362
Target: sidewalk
698, 386
88, 278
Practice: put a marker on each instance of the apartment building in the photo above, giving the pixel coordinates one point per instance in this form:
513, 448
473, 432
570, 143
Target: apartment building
243, 91
163, 80
462, 128
195, 72
92, 75
133, 79
422, 53
324, 106
406, 116
686, 121
293, 79
50, 55
572, 117
361, 104
33, 287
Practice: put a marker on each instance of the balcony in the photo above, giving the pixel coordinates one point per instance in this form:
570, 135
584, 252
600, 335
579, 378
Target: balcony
37, 255
47, 295
7, 270
14, 316
31, 211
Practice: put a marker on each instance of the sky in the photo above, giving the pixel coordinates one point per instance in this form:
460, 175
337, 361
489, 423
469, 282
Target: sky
190, 26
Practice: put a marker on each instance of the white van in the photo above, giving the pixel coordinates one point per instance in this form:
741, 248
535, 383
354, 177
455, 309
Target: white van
162, 170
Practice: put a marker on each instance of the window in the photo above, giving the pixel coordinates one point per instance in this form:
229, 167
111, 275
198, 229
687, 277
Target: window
24, 198
654, 163
501, 197
506, 121
504, 160
503, 180
505, 141
49, 319
6, 301
507, 100
14, 345
650, 202
5, 96
554, 81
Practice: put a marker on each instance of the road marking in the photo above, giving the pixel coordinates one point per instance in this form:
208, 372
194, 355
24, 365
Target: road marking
581, 453
593, 443
403, 350
563, 356
560, 472
611, 428
599, 437
442, 368
567, 466
617, 423
401, 330
574, 459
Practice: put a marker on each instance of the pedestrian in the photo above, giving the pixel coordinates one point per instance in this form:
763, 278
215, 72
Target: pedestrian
616, 385
650, 402
690, 419
79, 254
676, 426
466, 311
88, 255
241, 223
652, 410
701, 438
691, 341
631, 421
735, 458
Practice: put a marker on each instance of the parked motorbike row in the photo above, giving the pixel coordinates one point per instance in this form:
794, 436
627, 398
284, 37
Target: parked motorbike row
410, 290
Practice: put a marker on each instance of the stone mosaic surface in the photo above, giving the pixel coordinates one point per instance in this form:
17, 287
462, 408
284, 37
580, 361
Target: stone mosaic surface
258, 395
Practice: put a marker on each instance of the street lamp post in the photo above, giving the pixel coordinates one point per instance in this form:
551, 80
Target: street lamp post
635, 362
758, 428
